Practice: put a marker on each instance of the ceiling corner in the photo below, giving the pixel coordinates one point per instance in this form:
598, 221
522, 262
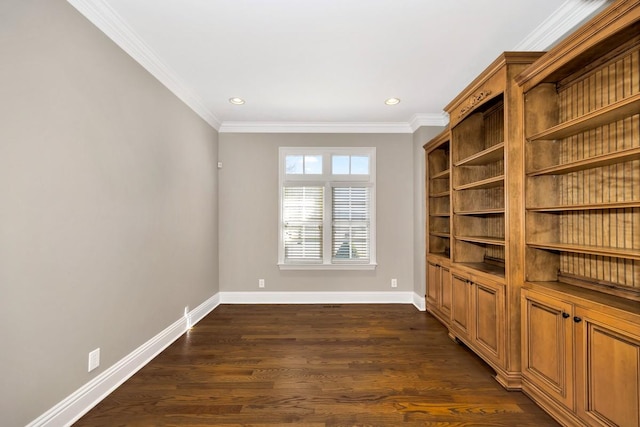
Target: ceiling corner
570, 14
100, 14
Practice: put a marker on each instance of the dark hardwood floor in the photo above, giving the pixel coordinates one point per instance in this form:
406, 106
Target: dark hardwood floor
315, 365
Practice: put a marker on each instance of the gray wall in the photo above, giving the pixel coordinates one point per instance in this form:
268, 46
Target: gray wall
420, 137
248, 201
108, 205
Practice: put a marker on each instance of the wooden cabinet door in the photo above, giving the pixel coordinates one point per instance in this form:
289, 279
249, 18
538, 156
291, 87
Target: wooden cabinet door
488, 310
460, 305
445, 292
547, 346
607, 369
433, 282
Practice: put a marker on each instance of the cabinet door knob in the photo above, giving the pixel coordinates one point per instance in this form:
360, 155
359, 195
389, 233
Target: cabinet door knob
577, 319
565, 315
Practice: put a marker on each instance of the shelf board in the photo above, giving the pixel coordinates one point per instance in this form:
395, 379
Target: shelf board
488, 240
590, 163
440, 194
491, 154
590, 291
586, 207
441, 175
437, 234
484, 267
633, 254
493, 182
439, 255
481, 212
611, 113
441, 215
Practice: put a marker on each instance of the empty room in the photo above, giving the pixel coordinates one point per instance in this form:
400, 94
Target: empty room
320, 213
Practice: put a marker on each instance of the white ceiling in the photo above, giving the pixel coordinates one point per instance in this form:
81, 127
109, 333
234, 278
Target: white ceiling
326, 64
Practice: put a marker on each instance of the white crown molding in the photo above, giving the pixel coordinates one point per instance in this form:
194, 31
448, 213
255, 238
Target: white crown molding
89, 395
419, 120
315, 127
100, 14
570, 14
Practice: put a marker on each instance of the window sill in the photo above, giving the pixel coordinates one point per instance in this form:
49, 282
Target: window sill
327, 266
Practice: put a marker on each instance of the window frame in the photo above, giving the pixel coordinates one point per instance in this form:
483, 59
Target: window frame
328, 181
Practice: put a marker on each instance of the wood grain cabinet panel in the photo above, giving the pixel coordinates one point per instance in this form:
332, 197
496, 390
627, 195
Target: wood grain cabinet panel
581, 356
433, 280
445, 292
488, 319
477, 318
439, 291
460, 306
608, 374
547, 346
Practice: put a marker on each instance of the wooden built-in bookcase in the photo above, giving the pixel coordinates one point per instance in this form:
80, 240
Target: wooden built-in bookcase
487, 215
533, 242
478, 189
583, 158
581, 297
438, 236
583, 175
439, 197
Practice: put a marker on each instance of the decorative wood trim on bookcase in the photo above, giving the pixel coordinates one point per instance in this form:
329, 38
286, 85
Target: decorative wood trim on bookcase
473, 101
479, 83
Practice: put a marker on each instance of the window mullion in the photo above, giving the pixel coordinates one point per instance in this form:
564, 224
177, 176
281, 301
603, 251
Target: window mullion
327, 225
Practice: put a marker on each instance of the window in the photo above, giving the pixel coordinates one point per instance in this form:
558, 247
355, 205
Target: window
327, 208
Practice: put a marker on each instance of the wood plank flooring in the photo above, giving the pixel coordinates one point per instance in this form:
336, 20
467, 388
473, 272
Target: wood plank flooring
315, 366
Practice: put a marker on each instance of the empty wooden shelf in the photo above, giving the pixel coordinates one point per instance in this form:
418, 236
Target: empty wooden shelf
580, 305
487, 203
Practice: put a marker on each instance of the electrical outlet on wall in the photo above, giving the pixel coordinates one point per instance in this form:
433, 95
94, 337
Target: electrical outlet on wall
261, 283
94, 359
394, 283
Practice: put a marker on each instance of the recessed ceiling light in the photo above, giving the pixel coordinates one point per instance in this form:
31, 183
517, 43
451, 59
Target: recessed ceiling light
392, 101
236, 101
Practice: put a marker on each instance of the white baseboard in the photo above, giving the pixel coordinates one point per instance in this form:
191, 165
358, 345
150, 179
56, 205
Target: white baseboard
321, 298
89, 395
419, 302
86, 397
198, 313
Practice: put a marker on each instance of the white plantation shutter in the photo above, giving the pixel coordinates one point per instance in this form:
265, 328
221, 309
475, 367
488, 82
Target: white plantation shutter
327, 217
302, 215
351, 227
